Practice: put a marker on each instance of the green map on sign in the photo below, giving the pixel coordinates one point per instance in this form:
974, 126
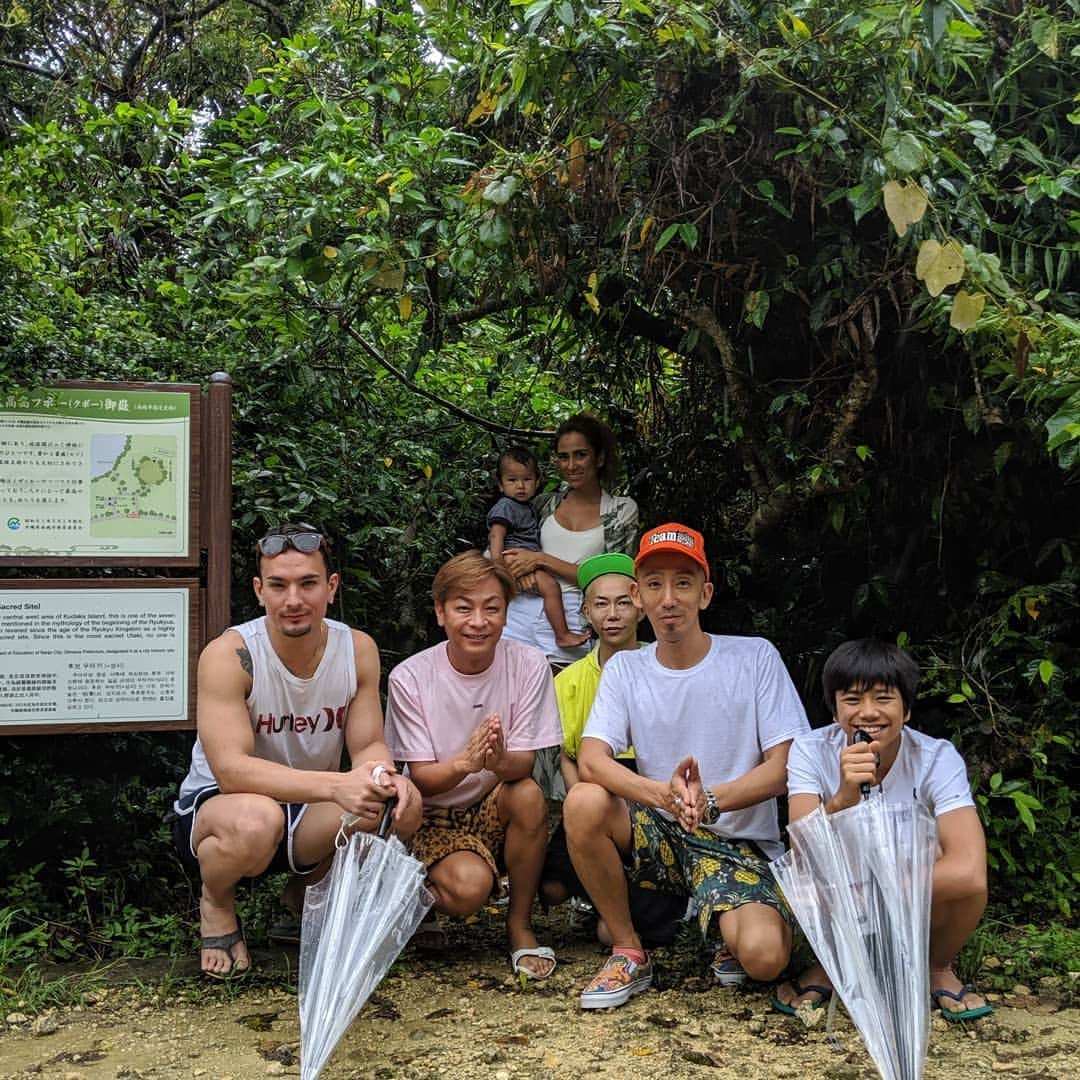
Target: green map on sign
133, 485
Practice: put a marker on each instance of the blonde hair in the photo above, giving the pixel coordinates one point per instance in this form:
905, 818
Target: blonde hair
463, 572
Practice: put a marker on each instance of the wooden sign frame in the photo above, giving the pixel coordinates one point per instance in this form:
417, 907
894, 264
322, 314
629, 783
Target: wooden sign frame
209, 546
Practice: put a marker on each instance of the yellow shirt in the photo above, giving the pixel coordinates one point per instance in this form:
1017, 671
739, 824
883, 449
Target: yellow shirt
575, 689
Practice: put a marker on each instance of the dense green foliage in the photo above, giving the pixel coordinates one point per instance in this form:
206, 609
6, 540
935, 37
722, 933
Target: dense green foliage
815, 263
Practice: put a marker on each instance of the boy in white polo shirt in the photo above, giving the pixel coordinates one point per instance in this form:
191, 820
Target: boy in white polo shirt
870, 687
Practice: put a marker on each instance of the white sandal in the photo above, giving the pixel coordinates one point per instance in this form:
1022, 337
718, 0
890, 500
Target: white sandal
543, 952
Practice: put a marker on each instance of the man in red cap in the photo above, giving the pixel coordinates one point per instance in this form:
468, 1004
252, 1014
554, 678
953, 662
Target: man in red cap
711, 719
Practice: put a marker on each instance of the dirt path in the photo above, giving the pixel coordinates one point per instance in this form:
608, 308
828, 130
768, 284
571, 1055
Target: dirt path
459, 1013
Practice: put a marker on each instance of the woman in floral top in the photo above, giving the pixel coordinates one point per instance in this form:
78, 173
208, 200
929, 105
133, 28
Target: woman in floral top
578, 520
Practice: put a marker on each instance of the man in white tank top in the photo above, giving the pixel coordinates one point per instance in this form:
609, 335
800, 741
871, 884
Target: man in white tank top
279, 699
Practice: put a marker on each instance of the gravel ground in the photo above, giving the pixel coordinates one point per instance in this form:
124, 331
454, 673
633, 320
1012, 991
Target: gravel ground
458, 1012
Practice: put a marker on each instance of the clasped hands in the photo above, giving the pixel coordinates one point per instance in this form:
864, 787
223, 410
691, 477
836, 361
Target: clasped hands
486, 748
685, 796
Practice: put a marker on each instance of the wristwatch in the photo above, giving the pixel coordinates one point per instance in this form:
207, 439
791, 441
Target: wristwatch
712, 809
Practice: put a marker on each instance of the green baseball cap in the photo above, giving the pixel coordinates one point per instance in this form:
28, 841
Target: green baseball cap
611, 562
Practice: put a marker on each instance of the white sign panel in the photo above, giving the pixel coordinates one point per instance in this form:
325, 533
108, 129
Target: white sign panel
90, 473
93, 655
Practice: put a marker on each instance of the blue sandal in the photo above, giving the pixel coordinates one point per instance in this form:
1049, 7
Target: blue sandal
789, 1010
956, 1015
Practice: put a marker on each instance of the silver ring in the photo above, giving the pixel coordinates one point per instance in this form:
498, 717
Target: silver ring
377, 774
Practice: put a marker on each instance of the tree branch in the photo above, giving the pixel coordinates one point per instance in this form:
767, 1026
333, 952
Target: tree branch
449, 406
860, 392
705, 320
166, 19
31, 69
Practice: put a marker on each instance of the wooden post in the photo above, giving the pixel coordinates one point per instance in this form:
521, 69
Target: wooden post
217, 504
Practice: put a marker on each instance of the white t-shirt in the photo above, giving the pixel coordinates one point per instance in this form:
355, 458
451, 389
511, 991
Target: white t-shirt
928, 771
432, 709
725, 711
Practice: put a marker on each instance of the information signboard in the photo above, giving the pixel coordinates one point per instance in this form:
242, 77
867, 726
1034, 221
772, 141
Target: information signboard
95, 476
97, 655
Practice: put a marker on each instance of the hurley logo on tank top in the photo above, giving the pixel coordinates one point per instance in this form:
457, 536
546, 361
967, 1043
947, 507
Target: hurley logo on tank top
324, 720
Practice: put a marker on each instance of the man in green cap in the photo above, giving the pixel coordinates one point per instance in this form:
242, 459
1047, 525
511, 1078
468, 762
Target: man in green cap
605, 582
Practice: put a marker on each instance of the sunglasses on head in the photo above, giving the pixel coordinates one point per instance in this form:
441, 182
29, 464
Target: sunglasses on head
305, 542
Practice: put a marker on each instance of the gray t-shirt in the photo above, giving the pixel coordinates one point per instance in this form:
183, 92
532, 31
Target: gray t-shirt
726, 711
522, 525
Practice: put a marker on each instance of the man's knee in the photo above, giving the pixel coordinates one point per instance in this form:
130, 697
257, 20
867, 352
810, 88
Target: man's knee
761, 942
552, 893
247, 825
461, 884
523, 804
586, 810
764, 958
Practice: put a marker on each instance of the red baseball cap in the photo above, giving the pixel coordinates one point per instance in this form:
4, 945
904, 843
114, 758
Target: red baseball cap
680, 539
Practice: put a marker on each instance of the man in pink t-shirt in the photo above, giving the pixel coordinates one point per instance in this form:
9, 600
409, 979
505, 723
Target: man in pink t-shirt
468, 715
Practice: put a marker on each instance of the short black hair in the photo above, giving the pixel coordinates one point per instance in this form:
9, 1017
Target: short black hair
522, 455
291, 528
863, 664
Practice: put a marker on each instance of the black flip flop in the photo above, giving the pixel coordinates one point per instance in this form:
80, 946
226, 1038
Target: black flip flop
789, 1010
226, 943
957, 1015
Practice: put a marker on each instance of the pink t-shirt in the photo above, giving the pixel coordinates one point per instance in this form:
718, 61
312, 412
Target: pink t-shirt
432, 708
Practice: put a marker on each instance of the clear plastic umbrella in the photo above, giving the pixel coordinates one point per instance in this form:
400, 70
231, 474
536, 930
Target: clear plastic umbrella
356, 922
859, 882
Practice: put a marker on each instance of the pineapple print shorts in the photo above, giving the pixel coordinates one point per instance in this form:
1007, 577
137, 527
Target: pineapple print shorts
719, 873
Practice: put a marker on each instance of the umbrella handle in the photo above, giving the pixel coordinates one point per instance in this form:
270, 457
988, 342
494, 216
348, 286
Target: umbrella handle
862, 737
384, 825
351, 819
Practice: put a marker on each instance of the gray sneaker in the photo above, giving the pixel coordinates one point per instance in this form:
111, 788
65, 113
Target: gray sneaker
616, 983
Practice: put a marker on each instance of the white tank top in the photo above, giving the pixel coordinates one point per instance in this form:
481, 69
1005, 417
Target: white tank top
574, 546
297, 722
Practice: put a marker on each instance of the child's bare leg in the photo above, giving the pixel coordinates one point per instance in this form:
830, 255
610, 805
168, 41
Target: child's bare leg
551, 594
952, 922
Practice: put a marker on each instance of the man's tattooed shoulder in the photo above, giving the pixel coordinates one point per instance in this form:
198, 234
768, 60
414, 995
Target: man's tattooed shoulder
245, 659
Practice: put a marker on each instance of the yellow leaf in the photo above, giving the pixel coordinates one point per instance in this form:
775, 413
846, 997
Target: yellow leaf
427, 471
484, 107
966, 309
1031, 606
405, 306
329, 252
939, 265
642, 1051
385, 176
591, 300
575, 162
799, 26
592, 282
646, 225
389, 274
905, 204
388, 461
